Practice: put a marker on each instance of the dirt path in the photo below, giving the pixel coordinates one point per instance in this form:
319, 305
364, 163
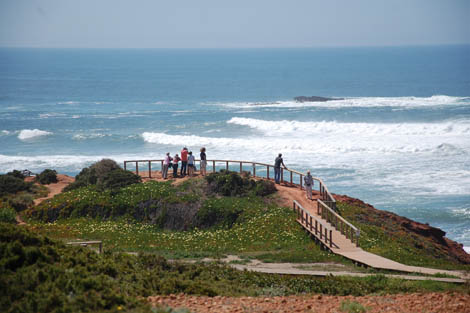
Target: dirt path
54, 189
399, 303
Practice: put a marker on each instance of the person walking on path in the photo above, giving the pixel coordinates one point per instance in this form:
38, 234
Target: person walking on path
308, 185
166, 164
277, 168
176, 159
203, 161
184, 161
191, 164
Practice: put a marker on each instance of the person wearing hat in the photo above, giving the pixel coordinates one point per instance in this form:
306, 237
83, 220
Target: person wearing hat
308, 180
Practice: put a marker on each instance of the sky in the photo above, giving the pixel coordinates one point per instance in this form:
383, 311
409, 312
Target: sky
232, 24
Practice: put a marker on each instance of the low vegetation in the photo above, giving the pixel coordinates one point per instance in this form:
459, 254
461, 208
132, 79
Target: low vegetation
47, 177
105, 174
41, 275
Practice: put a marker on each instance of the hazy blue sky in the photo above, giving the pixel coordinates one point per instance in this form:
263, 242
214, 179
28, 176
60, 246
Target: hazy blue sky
227, 24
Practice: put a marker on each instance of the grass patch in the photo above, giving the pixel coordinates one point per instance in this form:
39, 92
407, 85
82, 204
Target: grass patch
386, 238
41, 275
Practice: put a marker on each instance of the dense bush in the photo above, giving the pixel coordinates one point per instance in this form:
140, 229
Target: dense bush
40, 275
17, 174
106, 174
229, 183
216, 212
7, 213
47, 177
21, 201
10, 185
118, 178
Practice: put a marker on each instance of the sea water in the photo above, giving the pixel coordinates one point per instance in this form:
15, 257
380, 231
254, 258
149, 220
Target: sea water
399, 139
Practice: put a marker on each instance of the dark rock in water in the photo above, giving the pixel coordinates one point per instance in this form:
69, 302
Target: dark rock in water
315, 99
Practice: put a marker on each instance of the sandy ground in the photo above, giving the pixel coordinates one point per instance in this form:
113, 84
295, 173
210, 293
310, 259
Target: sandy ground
54, 189
400, 303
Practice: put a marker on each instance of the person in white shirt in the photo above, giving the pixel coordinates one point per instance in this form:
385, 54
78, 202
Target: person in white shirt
191, 163
308, 185
166, 164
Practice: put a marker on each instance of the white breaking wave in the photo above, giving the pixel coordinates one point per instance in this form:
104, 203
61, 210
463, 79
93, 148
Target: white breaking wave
460, 128
403, 102
27, 134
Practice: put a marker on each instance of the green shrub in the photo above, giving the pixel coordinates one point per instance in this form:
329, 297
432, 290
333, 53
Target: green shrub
119, 178
106, 174
264, 188
17, 174
217, 212
7, 213
352, 307
10, 185
47, 177
229, 183
22, 201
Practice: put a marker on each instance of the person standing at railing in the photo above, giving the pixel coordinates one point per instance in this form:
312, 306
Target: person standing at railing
308, 180
277, 168
176, 159
166, 164
203, 161
191, 163
184, 161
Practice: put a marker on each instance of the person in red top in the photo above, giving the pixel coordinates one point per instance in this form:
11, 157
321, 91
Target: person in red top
184, 161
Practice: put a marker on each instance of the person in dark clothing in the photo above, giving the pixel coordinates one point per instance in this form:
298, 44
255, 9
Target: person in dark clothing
203, 161
277, 168
176, 159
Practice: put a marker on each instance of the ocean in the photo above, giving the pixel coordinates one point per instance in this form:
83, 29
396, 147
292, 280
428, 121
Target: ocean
399, 139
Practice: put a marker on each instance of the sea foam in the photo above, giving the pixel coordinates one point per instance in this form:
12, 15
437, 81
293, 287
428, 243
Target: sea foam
402, 102
28, 134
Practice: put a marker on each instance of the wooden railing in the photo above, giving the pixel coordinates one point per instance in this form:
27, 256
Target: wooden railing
87, 243
340, 224
313, 224
287, 175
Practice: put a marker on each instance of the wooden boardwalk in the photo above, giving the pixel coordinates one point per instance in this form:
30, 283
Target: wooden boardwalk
317, 216
345, 247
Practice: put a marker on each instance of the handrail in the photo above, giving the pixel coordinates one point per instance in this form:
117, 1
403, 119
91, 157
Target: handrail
346, 228
324, 192
320, 229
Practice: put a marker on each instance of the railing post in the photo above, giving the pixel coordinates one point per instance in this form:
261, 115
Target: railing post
290, 177
101, 247
254, 170
300, 181
316, 227
150, 169
267, 171
137, 168
241, 165
326, 235
213, 166
331, 238
321, 231
311, 223
226, 165
161, 166
125, 165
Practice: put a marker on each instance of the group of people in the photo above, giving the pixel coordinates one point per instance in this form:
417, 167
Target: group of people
188, 163
308, 179
188, 167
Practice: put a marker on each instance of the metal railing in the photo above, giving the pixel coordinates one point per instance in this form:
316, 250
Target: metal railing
314, 225
288, 176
